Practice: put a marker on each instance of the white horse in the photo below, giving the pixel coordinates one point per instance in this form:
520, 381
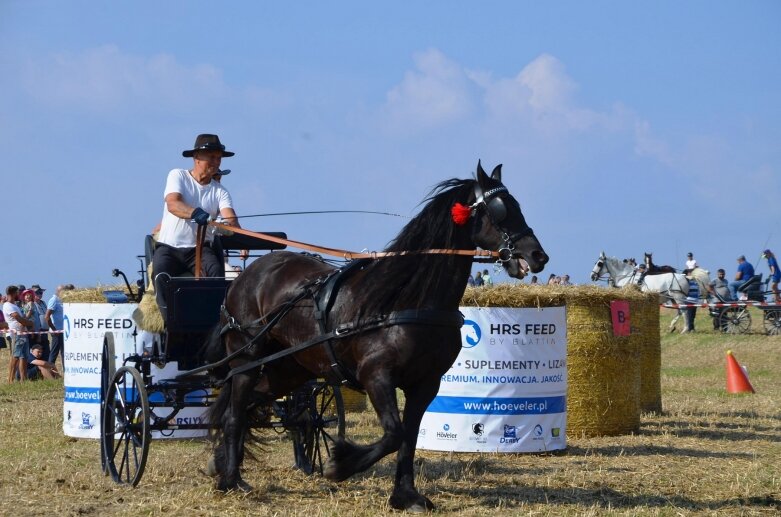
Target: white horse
672, 287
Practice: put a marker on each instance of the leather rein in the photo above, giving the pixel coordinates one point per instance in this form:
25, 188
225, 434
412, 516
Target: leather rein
350, 255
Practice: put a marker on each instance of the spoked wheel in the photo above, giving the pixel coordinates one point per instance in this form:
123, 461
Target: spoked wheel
314, 419
107, 370
735, 320
772, 322
125, 433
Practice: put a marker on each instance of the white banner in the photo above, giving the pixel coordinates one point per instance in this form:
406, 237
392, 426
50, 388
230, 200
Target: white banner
85, 325
506, 391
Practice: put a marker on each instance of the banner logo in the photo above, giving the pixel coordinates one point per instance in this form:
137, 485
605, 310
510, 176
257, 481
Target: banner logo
470, 334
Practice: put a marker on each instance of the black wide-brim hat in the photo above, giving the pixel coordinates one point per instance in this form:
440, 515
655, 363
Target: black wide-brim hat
207, 143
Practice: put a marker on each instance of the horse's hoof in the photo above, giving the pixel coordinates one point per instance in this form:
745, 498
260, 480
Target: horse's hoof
414, 504
244, 487
239, 486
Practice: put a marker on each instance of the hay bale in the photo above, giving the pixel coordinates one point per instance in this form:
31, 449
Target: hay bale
604, 371
147, 316
603, 391
354, 401
644, 318
91, 294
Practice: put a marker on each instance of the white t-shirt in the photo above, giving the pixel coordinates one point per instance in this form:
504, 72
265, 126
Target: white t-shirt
691, 264
180, 233
8, 309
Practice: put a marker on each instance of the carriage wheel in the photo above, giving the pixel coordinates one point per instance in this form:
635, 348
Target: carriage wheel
125, 433
735, 320
107, 370
315, 419
772, 322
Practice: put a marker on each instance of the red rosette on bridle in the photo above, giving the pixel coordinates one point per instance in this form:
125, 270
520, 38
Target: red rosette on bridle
460, 214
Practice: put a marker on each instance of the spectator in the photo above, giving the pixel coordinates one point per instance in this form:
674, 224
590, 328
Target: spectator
534, 280
17, 323
690, 313
719, 286
54, 321
487, 280
38, 367
690, 263
470, 281
552, 279
743, 275
565, 280
39, 320
775, 274
478, 279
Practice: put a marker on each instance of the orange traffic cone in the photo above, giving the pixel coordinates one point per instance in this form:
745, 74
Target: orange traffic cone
737, 380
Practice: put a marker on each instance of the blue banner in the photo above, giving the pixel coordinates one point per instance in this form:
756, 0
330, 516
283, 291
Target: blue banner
498, 406
83, 395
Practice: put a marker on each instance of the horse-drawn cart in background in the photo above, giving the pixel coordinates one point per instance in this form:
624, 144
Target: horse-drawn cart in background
734, 317
137, 399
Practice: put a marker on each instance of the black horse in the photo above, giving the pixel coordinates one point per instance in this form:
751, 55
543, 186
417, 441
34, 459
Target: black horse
400, 322
653, 269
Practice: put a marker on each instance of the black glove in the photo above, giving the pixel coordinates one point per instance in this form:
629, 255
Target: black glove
200, 216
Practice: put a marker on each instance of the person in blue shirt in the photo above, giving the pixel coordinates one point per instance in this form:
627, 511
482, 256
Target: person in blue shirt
775, 274
744, 274
54, 320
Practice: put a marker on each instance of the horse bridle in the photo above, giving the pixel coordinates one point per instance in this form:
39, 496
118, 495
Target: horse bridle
497, 213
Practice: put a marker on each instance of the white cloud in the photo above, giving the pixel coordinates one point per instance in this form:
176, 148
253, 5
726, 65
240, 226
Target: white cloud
434, 94
105, 79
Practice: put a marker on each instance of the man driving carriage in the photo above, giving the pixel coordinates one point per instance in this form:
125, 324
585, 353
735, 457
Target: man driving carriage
192, 197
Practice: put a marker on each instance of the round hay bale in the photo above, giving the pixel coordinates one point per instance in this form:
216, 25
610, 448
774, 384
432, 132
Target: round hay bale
354, 401
644, 318
604, 371
90, 294
603, 392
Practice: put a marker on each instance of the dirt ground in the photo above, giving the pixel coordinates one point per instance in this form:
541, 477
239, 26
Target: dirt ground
707, 453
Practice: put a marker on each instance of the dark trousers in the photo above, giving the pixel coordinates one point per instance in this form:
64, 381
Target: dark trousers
689, 315
57, 347
181, 262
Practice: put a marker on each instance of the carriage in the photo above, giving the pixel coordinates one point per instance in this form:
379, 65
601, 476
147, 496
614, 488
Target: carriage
731, 317
144, 395
383, 322
734, 317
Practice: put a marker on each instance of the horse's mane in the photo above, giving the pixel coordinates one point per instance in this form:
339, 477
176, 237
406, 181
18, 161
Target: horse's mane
406, 281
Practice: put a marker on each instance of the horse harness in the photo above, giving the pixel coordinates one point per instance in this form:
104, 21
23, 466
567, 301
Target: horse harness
323, 292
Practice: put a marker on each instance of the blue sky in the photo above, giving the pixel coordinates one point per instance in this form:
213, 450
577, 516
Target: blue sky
622, 127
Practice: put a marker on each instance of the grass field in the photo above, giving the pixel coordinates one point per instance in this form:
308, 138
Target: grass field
708, 453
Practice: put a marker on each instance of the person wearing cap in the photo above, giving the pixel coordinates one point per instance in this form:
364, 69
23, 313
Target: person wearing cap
743, 275
17, 323
40, 325
192, 198
775, 274
690, 263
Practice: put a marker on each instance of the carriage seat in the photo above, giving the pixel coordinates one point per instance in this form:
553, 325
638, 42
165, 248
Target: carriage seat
194, 303
753, 288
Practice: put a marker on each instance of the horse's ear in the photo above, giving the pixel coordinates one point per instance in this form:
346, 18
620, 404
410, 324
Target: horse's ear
496, 174
481, 175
